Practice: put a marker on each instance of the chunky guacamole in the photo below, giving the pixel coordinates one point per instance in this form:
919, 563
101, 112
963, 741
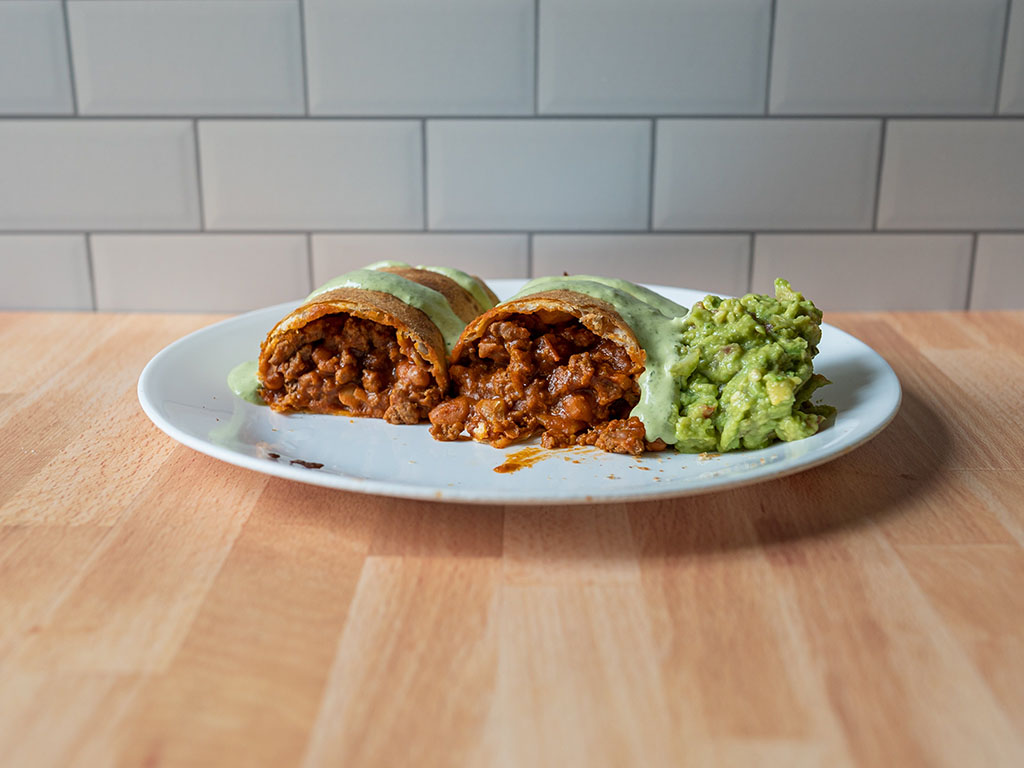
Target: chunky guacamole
747, 372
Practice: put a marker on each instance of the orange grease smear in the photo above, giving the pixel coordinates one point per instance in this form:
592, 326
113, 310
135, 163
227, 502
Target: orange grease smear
530, 455
522, 459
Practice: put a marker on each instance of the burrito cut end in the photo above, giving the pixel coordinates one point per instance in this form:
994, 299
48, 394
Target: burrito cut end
559, 363
355, 352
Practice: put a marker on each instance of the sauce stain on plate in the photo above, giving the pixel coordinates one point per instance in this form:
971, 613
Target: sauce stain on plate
530, 455
522, 459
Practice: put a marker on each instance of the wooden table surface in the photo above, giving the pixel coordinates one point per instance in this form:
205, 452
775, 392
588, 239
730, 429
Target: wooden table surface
158, 607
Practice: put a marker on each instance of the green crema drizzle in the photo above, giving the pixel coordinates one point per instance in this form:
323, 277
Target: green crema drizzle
748, 375
243, 382
657, 331
433, 304
646, 295
469, 283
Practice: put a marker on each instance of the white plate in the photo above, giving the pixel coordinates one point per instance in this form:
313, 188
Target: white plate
184, 391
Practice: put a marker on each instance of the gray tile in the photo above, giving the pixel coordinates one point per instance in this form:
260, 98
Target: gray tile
198, 273
34, 76
44, 272
549, 174
322, 174
868, 272
765, 174
714, 263
1012, 97
484, 255
999, 273
955, 174
652, 56
97, 174
420, 57
886, 56
175, 57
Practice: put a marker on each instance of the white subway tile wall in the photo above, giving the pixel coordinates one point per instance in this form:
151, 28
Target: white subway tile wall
311, 174
887, 56
198, 273
180, 57
420, 57
486, 255
852, 272
999, 273
765, 174
653, 57
97, 174
1012, 100
34, 74
223, 154
960, 174
538, 174
44, 272
717, 263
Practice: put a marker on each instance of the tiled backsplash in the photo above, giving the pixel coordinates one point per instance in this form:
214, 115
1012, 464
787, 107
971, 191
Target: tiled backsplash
227, 154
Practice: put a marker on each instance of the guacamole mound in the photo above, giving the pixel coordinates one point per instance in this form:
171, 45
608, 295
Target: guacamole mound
748, 375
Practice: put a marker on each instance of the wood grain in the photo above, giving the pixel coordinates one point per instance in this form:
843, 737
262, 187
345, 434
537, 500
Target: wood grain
159, 608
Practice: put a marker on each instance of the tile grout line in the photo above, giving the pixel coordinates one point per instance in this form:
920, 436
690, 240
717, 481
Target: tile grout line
199, 177
839, 232
1002, 57
305, 65
982, 117
73, 82
529, 255
91, 270
309, 260
536, 57
882, 137
771, 56
750, 264
423, 174
972, 265
650, 179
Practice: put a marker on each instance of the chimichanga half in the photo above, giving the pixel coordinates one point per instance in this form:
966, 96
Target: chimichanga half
373, 342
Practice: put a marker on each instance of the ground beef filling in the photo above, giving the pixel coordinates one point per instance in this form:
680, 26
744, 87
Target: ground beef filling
525, 377
339, 362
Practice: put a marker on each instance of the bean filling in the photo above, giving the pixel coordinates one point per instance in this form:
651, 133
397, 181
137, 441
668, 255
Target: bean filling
344, 363
525, 377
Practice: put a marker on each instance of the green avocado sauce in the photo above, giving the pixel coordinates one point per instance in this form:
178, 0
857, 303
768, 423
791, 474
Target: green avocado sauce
469, 283
243, 382
433, 304
667, 307
747, 375
657, 332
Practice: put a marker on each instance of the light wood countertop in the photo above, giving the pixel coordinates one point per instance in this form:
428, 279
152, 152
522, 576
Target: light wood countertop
160, 608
